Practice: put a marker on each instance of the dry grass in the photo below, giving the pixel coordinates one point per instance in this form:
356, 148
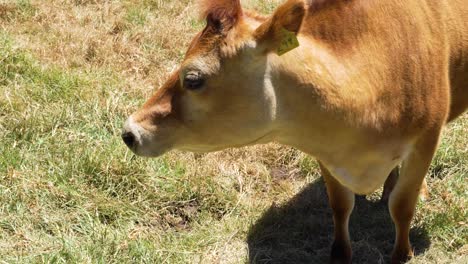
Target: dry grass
72, 70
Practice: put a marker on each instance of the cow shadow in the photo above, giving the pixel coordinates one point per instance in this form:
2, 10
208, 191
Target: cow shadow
301, 231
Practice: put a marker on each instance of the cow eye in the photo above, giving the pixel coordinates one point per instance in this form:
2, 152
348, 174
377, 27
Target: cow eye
193, 81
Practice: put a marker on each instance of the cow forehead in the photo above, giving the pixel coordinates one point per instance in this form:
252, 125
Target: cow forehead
203, 42
223, 44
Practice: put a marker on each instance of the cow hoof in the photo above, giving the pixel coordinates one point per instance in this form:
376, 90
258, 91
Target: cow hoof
401, 257
423, 195
340, 253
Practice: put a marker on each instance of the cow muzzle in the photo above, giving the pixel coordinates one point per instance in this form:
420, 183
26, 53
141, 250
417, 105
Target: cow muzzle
131, 135
144, 142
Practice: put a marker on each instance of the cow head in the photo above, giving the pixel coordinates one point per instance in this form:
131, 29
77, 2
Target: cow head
221, 95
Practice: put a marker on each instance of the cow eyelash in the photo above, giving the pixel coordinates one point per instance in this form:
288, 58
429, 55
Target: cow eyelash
193, 81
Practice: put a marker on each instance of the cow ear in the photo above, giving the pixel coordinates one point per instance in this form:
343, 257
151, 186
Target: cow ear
221, 15
279, 33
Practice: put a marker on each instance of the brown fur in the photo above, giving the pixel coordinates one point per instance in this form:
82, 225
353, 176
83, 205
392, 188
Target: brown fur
224, 13
371, 86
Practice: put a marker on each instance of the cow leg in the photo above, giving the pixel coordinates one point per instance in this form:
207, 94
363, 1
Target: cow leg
390, 184
424, 191
342, 202
403, 198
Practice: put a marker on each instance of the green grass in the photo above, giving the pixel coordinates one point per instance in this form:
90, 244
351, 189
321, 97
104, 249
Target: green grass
71, 192
137, 16
16, 10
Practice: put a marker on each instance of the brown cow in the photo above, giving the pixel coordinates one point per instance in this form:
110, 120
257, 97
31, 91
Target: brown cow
362, 85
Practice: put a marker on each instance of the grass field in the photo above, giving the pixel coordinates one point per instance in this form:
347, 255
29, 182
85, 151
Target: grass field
71, 71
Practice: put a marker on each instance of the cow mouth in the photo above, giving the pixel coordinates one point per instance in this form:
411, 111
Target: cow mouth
142, 151
207, 149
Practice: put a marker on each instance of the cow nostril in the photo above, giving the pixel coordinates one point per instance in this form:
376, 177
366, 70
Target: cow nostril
128, 138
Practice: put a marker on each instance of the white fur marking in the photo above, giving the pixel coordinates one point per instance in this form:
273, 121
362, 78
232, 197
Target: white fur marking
269, 93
